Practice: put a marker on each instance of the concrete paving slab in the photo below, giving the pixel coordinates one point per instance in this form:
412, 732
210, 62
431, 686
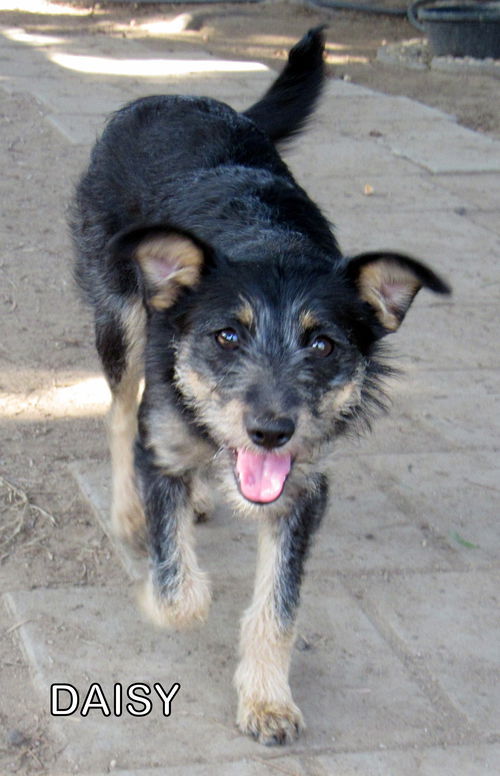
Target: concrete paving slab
381, 118
414, 131
71, 96
481, 192
354, 692
402, 430
94, 480
459, 760
436, 761
256, 766
30, 66
346, 157
448, 336
462, 407
420, 422
464, 150
337, 87
78, 129
457, 494
445, 620
379, 192
489, 220
436, 411
371, 530
101, 653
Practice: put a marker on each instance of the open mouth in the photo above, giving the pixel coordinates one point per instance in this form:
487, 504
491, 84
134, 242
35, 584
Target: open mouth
261, 477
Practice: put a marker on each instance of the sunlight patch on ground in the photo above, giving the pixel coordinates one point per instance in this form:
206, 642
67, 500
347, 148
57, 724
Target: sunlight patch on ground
87, 397
178, 24
18, 35
152, 67
43, 7
287, 41
335, 53
346, 59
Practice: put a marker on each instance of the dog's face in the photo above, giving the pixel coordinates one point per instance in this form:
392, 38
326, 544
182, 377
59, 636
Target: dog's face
269, 361
275, 358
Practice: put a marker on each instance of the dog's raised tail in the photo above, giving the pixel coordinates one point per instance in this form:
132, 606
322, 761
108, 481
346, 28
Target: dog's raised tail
284, 109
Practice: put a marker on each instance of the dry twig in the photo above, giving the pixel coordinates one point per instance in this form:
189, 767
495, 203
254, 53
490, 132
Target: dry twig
11, 528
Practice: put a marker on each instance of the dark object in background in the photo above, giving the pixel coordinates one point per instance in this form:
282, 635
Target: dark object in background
459, 29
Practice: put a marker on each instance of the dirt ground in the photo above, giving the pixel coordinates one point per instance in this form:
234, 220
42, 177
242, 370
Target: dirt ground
47, 535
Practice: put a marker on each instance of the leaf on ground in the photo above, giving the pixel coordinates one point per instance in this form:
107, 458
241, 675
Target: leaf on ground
464, 542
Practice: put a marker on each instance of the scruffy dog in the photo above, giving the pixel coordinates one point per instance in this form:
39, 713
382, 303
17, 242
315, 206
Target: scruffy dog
213, 275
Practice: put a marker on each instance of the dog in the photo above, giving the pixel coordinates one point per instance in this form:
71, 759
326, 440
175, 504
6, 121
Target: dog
214, 276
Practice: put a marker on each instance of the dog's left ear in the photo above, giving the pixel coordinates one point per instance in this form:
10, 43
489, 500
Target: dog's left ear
389, 282
169, 260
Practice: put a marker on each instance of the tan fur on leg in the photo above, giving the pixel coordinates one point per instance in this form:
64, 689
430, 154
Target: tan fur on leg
191, 603
127, 516
266, 709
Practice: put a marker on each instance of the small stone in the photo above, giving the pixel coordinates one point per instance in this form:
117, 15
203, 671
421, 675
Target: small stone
302, 644
16, 737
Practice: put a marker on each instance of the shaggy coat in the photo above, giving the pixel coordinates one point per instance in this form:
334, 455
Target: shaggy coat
214, 276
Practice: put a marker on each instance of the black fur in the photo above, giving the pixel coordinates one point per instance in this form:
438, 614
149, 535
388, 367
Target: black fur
294, 537
163, 498
110, 344
285, 108
262, 341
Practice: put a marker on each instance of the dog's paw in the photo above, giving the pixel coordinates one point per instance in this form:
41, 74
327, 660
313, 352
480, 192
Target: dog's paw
271, 723
189, 608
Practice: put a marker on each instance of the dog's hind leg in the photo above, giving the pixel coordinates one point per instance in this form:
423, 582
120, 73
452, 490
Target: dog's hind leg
266, 709
177, 593
120, 343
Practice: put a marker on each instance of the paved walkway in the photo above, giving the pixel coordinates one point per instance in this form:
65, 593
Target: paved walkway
397, 668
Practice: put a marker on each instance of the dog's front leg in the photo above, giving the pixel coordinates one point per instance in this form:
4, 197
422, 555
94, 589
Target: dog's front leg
177, 593
266, 709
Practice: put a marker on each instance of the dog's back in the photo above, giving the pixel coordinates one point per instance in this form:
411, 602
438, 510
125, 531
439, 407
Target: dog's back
188, 161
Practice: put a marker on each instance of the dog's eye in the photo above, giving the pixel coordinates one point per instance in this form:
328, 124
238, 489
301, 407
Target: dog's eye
322, 346
228, 339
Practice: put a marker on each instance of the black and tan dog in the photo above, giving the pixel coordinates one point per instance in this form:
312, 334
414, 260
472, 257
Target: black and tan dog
214, 275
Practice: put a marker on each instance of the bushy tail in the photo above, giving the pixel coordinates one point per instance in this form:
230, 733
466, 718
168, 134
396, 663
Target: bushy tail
284, 109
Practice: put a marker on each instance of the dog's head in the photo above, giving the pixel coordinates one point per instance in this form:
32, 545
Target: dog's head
273, 358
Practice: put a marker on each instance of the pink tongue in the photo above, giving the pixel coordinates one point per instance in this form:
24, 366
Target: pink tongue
262, 476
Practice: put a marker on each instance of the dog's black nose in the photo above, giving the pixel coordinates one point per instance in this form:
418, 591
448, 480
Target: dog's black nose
270, 432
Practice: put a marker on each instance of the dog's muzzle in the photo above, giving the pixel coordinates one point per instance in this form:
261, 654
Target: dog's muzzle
261, 474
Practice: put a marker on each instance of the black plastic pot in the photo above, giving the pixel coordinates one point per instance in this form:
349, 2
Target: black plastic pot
459, 29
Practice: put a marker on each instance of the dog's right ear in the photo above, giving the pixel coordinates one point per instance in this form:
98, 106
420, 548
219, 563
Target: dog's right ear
168, 260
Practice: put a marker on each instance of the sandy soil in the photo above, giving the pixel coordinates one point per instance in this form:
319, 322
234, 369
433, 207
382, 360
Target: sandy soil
47, 535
